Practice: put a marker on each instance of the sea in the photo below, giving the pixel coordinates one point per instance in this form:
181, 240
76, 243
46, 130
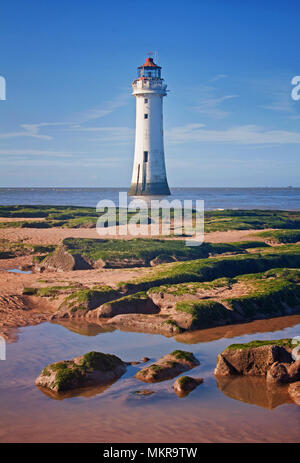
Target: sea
214, 198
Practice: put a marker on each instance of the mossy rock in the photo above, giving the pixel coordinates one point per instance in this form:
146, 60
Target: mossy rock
91, 369
83, 300
280, 236
168, 367
203, 270
134, 303
63, 261
254, 358
185, 384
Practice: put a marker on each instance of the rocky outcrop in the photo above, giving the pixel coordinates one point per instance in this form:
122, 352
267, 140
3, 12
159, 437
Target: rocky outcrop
144, 392
83, 302
125, 262
138, 303
252, 359
168, 367
91, 369
162, 259
185, 384
154, 324
284, 372
63, 261
269, 359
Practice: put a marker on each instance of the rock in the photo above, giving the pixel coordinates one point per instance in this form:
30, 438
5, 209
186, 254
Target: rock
224, 368
100, 263
125, 262
83, 302
145, 359
252, 359
284, 372
185, 384
294, 371
132, 363
144, 392
168, 367
63, 261
91, 369
278, 373
26, 268
137, 303
162, 259
294, 391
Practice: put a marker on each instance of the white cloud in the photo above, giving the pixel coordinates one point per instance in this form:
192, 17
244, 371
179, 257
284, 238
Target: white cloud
27, 132
33, 130
31, 152
108, 134
209, 104
99, 112
246, 135
82, 163
218, 77
281, 101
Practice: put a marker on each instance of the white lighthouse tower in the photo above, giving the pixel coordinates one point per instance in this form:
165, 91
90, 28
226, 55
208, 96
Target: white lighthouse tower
149, 170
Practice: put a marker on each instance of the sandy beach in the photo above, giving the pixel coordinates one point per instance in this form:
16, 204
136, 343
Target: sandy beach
56, 234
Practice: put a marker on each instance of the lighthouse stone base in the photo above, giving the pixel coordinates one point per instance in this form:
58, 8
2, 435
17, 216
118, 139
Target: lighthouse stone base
149, 189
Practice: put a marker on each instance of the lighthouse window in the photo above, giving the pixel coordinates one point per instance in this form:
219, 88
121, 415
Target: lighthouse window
145, 116
146, 100
145, 156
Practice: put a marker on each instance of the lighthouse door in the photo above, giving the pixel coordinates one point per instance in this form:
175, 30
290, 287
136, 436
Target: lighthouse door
144, 176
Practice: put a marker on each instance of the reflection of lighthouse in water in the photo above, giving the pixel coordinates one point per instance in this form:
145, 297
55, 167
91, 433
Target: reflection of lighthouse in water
149, 170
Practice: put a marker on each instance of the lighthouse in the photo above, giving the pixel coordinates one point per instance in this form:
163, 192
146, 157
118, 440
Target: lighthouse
149, 169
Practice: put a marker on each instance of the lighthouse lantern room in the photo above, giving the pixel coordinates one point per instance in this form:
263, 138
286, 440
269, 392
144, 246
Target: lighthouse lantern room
149, 170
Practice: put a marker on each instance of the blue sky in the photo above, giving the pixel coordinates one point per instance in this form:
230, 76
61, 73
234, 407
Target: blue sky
69, 116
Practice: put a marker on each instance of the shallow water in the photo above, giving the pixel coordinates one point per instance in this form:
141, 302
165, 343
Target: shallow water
15, 270
244, 412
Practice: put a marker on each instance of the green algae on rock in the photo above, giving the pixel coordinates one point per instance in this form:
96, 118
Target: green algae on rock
93, 368
185, 384
168, 367
85, 253
204, 270
280, 236
270, 359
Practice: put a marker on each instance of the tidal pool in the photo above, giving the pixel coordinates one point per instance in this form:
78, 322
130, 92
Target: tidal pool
228, 411
16, 270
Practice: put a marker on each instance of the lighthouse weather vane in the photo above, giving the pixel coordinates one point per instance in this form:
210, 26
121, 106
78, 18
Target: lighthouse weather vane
149, 170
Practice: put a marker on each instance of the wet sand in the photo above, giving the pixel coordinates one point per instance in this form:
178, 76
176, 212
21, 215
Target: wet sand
55, 235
